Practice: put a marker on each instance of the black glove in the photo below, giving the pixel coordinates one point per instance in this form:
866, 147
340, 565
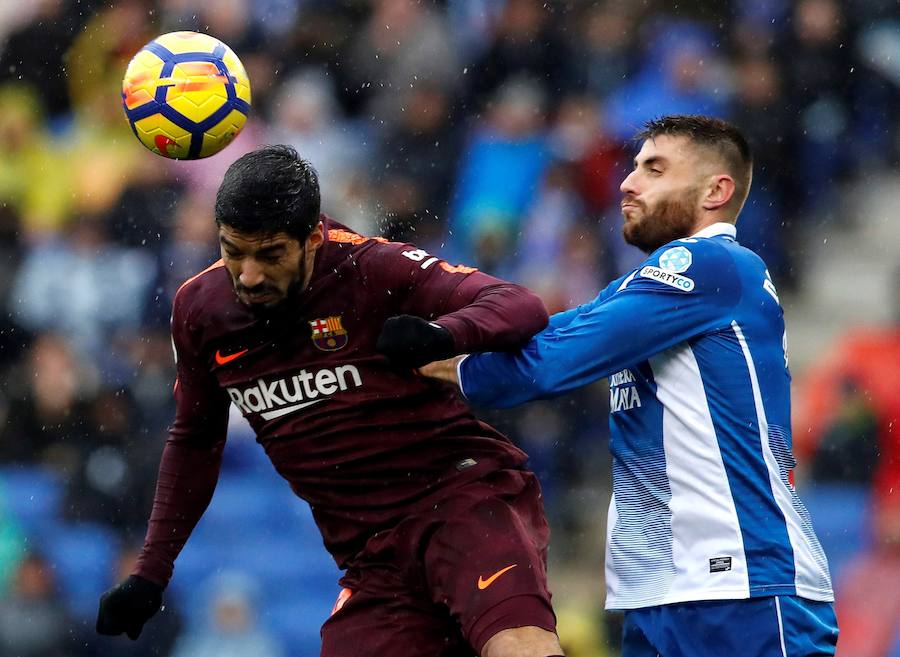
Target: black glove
411, 342
126, 607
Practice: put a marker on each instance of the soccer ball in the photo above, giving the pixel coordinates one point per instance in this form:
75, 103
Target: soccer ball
186, 95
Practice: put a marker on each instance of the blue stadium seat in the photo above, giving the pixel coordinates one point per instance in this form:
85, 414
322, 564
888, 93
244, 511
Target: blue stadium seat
275, 562
203, 556
83, 558
256, 525
278, 563
262, 506
288, 565
32, 494
840, 516
243, 455
296, 621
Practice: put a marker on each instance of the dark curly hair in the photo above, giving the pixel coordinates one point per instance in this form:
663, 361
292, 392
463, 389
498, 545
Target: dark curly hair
267, 191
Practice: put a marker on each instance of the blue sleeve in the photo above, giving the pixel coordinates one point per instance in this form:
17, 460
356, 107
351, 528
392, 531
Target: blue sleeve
562, 319
655, 310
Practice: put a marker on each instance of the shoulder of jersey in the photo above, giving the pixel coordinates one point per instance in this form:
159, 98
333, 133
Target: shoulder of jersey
210, 284
355, 247
343, 236
679, 256
202, 279
683, 264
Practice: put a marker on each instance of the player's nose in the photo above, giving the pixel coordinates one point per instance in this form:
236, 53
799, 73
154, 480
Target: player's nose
628, 185
251, 274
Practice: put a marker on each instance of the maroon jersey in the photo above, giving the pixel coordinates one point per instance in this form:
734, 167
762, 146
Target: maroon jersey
362, 441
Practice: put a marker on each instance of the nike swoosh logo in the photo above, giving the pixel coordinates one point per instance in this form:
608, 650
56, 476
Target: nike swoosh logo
271, 415
484, 583
222, 360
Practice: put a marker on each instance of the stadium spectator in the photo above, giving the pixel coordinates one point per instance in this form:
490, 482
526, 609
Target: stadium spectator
100, 52
54, 25
420, 153
191, 248
35, 179
526, 45
307, 116
764, 112
499, 174
402, 44
96, 141
104, 289
605, 52
821, 90
230, 627
12, 543
578, 137
868, 603
113, 473
45, 415
320, 39
557, 255
848, 451
142, 216
848, 405
680, 70
33, 622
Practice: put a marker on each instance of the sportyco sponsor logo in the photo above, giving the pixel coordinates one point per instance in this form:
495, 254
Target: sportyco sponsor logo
272, 399
669, 278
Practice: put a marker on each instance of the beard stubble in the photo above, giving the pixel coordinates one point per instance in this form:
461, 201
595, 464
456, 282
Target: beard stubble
672, 218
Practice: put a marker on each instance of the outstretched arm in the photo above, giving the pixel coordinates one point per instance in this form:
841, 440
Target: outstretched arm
448, 369
441, 310
649, 313
634, 318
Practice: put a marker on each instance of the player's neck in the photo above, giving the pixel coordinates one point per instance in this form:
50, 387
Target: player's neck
707, 221
309, 268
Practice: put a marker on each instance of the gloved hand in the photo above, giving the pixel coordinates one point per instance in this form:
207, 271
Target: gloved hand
410, 341
126, 607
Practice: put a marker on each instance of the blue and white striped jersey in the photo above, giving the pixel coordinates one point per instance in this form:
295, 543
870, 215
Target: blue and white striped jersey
693, 344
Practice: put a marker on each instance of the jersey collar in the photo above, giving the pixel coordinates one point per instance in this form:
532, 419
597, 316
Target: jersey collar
715, 230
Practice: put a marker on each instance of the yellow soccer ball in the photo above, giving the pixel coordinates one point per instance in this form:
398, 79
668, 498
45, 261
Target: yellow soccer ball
186, 95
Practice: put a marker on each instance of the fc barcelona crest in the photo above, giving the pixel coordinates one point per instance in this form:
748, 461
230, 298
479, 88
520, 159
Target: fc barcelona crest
328, 334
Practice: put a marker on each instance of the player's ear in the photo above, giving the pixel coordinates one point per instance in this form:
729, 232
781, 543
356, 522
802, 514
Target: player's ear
316, 237
718, 192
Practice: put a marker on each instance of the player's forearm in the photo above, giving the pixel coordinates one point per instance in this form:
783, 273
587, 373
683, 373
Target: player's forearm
498, 318
187, 480
553, 362
443, 370
500, 380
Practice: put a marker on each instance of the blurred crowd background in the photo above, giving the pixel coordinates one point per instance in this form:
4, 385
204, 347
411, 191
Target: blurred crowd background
493, 133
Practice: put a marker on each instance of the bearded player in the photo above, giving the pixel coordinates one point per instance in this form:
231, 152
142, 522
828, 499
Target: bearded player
313, 331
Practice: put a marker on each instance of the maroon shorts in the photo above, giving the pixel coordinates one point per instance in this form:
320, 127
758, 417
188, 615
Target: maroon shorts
447, 579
